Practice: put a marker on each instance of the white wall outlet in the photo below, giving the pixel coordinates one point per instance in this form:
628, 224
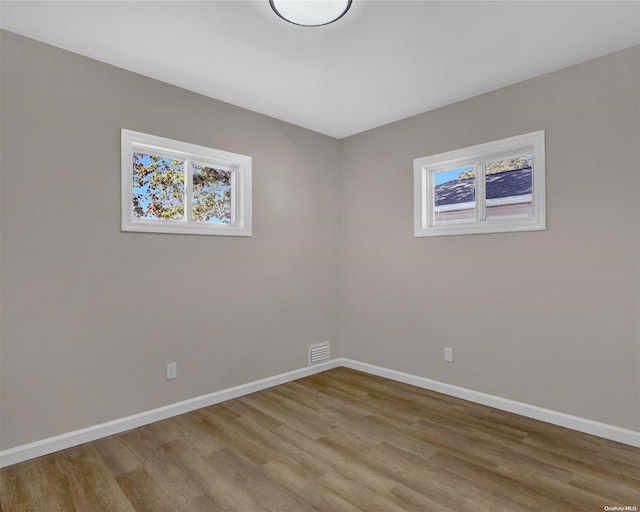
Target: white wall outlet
448, 354
172, 370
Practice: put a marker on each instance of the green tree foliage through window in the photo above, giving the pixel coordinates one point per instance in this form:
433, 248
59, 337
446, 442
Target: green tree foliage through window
158, 187
159, 190
211, 195
511, 164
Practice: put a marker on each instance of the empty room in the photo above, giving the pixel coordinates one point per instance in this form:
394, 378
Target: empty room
307, 255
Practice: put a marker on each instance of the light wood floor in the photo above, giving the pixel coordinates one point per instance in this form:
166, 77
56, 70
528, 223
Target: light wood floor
338, 441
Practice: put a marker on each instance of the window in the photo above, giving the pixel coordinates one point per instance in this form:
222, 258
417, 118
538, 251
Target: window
176, 187
489, 188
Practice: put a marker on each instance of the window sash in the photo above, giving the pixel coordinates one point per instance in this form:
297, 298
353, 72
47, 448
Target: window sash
238, 165
479, 156
187, 198
480, 202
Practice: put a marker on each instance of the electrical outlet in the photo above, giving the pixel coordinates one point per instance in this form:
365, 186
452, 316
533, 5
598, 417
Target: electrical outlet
448, 354
172, 370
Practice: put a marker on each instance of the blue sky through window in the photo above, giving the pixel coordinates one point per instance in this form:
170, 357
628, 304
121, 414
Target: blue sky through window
444, 176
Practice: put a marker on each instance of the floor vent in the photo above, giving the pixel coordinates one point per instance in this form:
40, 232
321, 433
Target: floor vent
319, 353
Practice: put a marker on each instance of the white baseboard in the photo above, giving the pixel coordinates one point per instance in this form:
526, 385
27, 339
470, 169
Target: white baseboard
85, 435
595, 428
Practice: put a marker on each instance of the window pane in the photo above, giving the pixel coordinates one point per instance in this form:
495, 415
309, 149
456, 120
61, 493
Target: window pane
211, 195
158, 187
454, 196
509, 185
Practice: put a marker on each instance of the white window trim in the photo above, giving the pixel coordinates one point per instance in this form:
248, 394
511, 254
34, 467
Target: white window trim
425, 167
240, 165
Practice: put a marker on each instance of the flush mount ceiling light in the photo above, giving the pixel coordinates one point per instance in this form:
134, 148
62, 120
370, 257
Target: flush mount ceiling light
310, 13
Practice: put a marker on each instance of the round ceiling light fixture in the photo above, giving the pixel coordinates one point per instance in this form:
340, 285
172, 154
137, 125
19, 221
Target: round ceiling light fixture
310, 13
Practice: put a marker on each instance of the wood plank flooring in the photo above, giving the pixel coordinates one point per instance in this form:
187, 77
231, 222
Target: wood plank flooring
337, 441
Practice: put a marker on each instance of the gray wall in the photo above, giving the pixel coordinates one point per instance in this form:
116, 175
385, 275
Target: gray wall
91, 315
547, 318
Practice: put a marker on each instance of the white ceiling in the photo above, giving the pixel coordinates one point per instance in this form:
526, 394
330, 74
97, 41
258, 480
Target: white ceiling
383, 61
